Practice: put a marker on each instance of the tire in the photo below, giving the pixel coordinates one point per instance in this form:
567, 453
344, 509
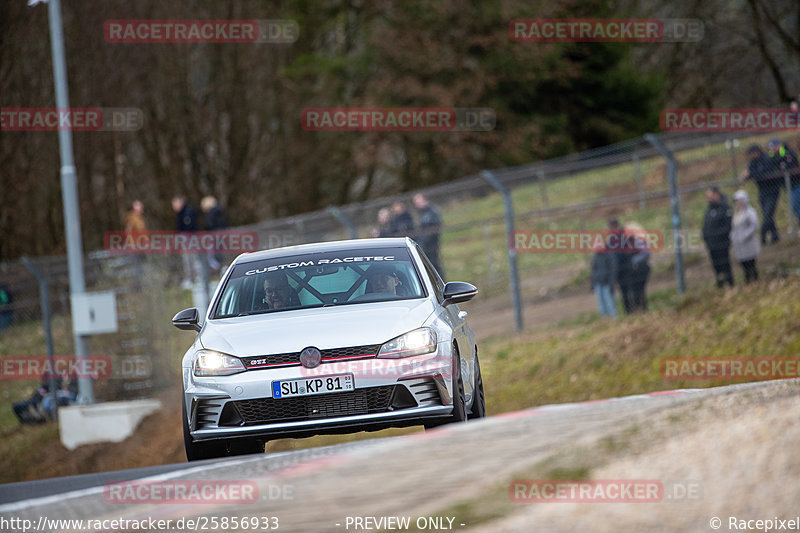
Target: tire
196, 451
479, 401
459, 401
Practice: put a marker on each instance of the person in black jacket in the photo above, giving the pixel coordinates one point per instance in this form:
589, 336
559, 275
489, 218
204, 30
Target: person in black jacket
430, 226
215, 221
624, 268
716, 234
769, 180
402, 224
786, 160
186, 220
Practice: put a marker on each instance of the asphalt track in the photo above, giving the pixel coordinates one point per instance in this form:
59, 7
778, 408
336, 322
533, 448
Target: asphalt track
323, 489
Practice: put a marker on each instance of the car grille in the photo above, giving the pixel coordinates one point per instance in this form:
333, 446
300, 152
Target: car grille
357, 402
262, 362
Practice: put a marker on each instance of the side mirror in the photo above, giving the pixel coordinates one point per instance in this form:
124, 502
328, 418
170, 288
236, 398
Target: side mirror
187, 319
458, 291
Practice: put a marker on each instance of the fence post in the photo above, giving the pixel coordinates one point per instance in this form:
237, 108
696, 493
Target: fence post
674, 207
44, 303
639, 185
545, 199
512, 253
344, 220
489, 255
788, 181
731, 144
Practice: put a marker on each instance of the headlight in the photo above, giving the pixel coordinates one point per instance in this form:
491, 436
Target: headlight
417, 342
211, 363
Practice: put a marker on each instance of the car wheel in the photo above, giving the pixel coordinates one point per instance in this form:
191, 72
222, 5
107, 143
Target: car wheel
459, 401
478, 402
196, 451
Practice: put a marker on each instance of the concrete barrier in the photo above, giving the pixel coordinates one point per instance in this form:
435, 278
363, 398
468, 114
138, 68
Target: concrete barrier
102, 422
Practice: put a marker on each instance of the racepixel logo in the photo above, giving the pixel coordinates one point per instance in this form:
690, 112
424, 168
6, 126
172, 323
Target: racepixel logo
397, 119
180, 242
728, 120
73, 119
36, 366
200, 31
586, 241
730, 368
541, 30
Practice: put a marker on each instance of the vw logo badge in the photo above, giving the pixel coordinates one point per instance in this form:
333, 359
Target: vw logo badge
310, 357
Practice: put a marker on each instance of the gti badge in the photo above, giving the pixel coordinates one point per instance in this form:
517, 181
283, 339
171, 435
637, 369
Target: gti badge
310, 357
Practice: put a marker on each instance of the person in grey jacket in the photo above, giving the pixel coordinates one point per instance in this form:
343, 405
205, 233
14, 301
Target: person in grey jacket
604, 277
744, 235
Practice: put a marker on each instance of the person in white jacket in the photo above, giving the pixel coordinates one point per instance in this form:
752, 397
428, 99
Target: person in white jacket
744, 235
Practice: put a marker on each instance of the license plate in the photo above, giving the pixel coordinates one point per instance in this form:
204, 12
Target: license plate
291, 388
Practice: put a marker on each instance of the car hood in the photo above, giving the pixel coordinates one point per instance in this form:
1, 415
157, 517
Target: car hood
325, 327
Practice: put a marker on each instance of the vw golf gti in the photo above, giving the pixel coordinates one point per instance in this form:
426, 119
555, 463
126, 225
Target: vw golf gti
332, 337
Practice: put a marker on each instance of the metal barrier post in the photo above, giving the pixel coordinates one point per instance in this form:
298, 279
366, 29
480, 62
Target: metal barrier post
44, 299
344, 220
512, 254
674, 202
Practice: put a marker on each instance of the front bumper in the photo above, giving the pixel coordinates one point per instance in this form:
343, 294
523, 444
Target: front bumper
388, 393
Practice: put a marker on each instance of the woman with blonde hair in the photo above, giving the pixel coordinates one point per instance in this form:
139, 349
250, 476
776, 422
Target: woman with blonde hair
744, 235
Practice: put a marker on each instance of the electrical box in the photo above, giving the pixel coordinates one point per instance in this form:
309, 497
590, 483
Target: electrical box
94, 312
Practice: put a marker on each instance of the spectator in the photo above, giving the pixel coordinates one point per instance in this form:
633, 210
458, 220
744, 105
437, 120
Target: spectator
134, 222
716, 234
134, 219
604, 275
66, 393
430, 228
769, 181
384, 222
215, 221
402, 224
6, 309
186, 220
624, 269
29, 411
785, 159
744, 237
640, 270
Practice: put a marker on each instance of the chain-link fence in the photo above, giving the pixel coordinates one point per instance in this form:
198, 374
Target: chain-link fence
627, 181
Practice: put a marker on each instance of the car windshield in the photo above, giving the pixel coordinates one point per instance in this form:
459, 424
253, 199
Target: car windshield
319, 279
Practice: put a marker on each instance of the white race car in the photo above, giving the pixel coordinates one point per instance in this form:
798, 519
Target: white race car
331, 337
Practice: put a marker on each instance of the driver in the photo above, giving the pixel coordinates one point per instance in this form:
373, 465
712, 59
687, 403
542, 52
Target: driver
277, 291
381, 280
